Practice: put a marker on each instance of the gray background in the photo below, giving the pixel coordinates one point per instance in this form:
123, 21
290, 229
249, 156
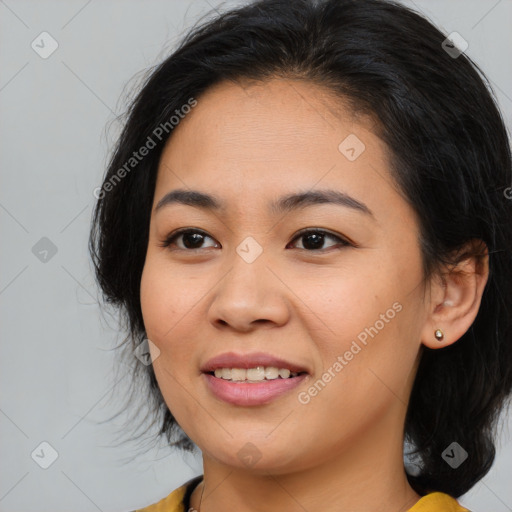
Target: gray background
56, 127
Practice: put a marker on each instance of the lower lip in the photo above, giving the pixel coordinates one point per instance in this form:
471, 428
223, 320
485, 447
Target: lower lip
247, 394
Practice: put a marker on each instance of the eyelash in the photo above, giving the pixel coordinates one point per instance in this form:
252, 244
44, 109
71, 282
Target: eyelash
173, 236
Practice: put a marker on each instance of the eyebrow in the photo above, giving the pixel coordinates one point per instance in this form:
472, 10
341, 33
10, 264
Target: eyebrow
282, 205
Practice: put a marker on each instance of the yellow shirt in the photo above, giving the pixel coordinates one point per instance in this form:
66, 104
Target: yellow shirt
178, 501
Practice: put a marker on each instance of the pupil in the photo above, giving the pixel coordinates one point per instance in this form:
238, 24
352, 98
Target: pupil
192, 240
311, 240
316, 239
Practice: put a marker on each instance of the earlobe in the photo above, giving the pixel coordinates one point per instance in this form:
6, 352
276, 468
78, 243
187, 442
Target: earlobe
456, 296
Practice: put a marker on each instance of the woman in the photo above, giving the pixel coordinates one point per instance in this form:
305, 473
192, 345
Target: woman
305, 222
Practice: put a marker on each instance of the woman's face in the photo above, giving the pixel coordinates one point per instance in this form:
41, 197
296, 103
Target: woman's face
343, 303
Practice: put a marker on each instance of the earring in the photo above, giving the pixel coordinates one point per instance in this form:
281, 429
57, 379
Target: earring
439, 334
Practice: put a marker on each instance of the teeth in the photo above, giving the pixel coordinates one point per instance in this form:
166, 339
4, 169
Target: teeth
256, 374
284, 373
238, 374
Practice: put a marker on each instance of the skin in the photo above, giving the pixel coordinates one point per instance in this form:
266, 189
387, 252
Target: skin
248, 144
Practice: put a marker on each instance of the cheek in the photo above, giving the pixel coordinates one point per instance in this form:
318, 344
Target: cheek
166, 311
364, 326
167, 300
155, 300
340, 304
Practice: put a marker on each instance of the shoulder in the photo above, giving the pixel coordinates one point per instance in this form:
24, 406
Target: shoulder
437, 502
177, 501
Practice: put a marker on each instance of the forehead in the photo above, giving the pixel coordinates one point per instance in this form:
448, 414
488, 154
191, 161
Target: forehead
257, 139
276, 111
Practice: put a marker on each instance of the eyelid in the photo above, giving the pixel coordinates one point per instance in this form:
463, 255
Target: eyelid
343, 240
175, 234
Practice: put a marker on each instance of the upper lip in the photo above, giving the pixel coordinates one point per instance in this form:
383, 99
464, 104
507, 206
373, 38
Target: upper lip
234, 360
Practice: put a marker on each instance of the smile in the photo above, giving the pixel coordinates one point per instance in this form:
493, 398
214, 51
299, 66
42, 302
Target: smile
256, 374
248, 393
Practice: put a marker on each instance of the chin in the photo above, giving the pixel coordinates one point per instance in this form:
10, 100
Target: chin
258, 456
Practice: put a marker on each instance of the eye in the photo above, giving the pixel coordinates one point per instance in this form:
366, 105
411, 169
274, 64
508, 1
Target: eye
313, 239
191, 238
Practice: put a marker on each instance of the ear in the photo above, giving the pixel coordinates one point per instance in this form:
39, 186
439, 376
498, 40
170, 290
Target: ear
455, 295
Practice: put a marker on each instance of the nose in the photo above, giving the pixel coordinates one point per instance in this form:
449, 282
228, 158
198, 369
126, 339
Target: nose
248, 296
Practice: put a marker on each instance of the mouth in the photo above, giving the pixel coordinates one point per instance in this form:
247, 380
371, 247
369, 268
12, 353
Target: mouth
255, 375
251, 379
251, 387
233, 365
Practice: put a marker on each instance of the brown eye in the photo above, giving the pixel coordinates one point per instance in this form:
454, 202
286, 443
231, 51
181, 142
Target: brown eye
190, 239
314, 239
